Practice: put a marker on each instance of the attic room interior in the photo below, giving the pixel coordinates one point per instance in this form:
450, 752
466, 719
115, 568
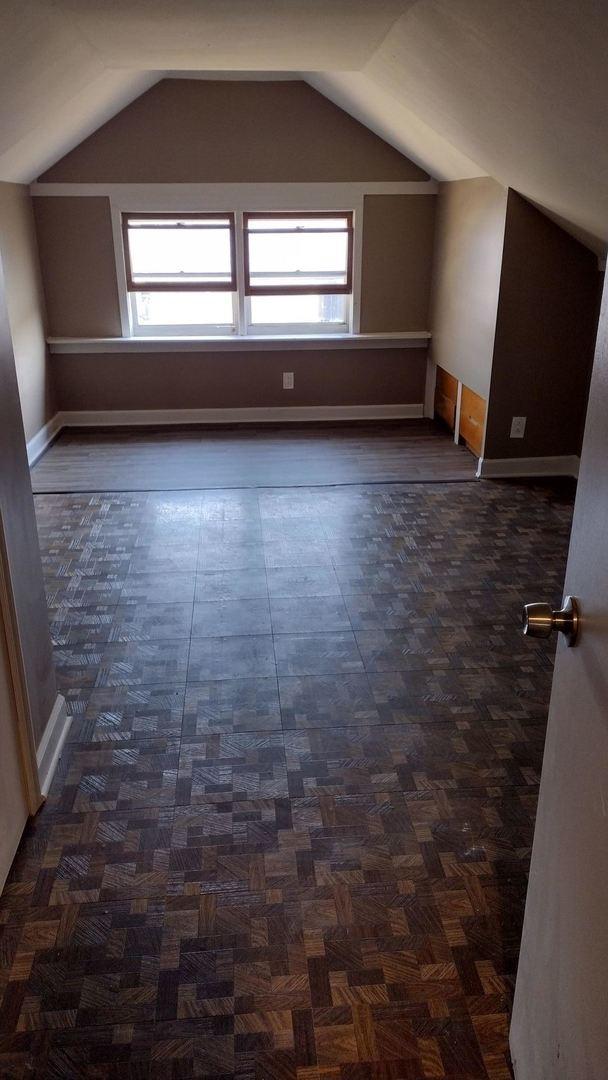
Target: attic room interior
303, 507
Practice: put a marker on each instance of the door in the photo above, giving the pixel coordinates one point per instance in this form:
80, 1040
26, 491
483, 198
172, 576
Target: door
560, 1029
13, 802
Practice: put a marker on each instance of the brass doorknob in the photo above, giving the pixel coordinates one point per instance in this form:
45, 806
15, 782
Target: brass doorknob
538, 620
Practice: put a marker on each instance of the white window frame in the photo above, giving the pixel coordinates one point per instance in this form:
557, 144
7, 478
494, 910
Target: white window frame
238, 198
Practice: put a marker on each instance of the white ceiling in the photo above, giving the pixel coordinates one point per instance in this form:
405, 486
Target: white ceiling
517, 89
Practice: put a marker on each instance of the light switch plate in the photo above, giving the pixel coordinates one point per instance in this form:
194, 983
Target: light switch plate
518, 427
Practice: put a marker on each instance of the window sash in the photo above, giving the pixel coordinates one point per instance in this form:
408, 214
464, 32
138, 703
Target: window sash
158, 282
181, 329
294, 289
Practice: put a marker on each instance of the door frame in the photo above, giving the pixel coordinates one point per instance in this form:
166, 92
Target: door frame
25, 735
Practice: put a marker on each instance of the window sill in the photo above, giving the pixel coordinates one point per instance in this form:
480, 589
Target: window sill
244, 343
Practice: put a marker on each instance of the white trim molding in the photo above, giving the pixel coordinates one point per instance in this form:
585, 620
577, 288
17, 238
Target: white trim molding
262, 415
561, 465
418, 339
295, 196
51, 743
42, 439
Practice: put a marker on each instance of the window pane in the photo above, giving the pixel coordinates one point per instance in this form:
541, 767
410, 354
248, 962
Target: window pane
184, 309
183, 252
298, 251
298, 309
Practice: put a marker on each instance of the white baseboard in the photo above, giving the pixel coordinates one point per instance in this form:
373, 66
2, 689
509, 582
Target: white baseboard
51, 743
564, 465
39, 442
284, 414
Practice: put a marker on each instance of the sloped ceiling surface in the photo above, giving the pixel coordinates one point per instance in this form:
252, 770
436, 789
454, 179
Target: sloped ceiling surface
517, 89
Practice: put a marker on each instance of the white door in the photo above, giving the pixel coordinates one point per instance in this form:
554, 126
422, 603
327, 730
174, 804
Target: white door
560, 1021
13, 804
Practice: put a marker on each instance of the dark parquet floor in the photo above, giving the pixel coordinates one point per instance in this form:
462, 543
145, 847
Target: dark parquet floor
289, 837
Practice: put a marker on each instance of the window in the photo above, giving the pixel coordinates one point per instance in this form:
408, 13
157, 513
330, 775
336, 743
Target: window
298, 270
181, 274
295, 274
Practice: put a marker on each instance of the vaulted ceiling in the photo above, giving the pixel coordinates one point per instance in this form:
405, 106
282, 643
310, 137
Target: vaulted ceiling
517, 89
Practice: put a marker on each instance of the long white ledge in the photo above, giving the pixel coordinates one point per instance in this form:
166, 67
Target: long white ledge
402, 340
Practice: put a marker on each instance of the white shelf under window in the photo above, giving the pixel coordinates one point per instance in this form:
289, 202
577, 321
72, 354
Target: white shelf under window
418, 339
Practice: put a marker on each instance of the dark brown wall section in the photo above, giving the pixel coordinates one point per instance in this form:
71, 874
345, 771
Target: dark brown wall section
195, 130
397, 260
545, 337
78, 266
239, 379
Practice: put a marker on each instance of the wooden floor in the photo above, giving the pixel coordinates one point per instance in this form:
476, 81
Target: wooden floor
293, 455
289, 835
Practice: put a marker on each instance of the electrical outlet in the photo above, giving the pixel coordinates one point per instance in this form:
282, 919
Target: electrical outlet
518, 427
288, 380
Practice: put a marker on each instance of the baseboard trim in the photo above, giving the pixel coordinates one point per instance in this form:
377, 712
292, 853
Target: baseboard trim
51, 744
43, 438
154, 417
564, 465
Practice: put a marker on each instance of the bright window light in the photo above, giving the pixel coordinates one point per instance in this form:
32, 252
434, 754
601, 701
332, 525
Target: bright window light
297, 253
184, 309
295, 275
299, 310
192, 251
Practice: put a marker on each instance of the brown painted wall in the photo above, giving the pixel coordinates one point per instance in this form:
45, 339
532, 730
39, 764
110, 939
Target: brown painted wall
78, 266
397, 261
82, 296
17, 511
466, 277
193, 130
239, 379
545, 337
25, 302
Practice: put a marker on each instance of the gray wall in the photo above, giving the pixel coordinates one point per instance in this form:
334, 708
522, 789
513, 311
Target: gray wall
25, 301
545, 337
469, 234
17, 511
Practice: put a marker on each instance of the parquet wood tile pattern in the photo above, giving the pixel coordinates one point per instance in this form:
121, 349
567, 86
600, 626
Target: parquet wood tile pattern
250, 456
289, 836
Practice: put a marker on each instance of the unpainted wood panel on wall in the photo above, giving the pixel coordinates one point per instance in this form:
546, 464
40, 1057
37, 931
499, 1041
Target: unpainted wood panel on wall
446, 397
472, 420
397, 261
78, 266
224, 131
